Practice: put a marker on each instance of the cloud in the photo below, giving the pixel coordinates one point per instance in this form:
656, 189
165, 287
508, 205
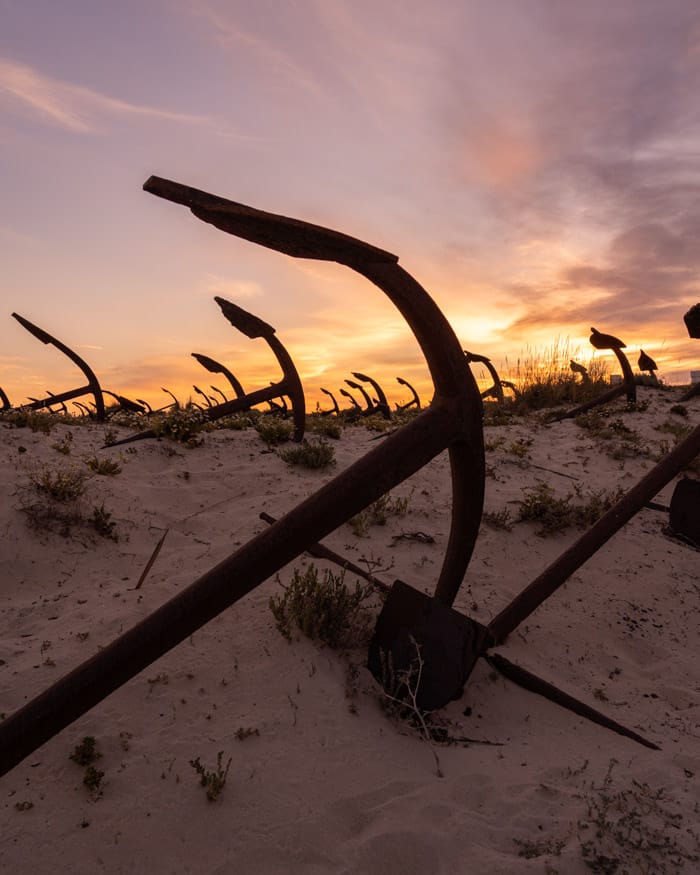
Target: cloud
231, 289
73, 107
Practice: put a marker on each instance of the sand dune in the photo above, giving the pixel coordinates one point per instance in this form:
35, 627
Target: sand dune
324, 783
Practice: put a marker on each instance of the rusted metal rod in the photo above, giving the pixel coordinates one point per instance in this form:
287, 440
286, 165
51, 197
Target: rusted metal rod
572, 559
496, 389
93, 385
382, 405
414, 401
5, 400
335, 409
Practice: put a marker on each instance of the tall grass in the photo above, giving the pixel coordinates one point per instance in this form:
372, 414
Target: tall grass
543, 377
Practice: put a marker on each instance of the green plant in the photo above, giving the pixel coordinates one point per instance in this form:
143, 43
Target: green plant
553, 514
378, 513
274, 430
498, 519
242, 733
634, 830
85, 753
212, 781
324, 425
93, 779
324, 609
65, 484
678, 429
679, 410
316, 454
42, 422
106, 467
64, 446
182, 425
103, 523
520, 447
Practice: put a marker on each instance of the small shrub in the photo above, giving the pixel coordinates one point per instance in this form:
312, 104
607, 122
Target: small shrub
65, 445
103, 523
498, 519
679, 410
319, 454
325, 609
635, 829
678, 429
106, 467
42, 422
85, 753
556, 514
93, 779
520, 448
274, 430
327, 426
65, 484
212, 781
183, 425
378, 513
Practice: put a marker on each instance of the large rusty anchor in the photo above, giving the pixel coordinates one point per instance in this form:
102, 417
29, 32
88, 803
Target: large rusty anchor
452, 422
369, 404
92, 387
334, 409
496, 389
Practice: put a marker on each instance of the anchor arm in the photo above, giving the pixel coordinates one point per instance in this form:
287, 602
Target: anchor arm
93, 385
215, 367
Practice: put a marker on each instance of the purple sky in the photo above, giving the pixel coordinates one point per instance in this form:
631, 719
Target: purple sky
535, 165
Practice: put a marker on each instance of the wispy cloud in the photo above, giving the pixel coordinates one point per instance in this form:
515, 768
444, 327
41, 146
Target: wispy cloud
70, 106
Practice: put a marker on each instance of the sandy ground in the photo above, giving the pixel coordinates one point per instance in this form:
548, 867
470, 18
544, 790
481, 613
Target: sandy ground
321, 782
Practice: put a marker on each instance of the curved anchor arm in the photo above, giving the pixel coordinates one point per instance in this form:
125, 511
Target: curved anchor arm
290, 384
415, 400
52, 395
351, 399
335, 408
93, 385
6, 401
382, 404
203, 394
219, 392
497, 389
215, 367
126, 403
368, 401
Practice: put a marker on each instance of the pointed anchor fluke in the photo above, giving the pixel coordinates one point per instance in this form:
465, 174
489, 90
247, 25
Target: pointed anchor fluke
93, 386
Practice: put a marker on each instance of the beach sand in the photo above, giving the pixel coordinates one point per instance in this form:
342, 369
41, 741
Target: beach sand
322, 779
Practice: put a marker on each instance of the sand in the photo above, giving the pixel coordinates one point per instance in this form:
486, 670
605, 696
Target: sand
321, 781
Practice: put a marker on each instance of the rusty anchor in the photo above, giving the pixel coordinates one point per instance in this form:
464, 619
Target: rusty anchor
369, 404
92, 387
581, 370
215, 367
5, 400
414, 402
354, 411
452, 422
496, 390
381, 405
125, 403
646, 363
692, 321
334, 409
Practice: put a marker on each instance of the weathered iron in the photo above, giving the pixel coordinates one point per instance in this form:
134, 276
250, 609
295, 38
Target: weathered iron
496, 390
92, 387
146, 405
356, 409
369, 405
381, 404
217, 390
335, 409
692, 321
646, 363
126, 403
176, 404
684, 511
5, 400
204, 395
414, 402
608, 341
452, 422
215, 367
581, 370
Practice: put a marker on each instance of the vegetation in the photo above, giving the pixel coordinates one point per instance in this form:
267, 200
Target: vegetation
213, 781
106, 467
553, 514
378, 513
274, 430
309, 454
324, 608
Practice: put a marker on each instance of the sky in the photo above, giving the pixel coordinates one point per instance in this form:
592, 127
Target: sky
535, 164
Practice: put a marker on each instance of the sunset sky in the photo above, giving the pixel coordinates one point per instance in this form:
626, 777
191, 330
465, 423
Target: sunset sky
535, 164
